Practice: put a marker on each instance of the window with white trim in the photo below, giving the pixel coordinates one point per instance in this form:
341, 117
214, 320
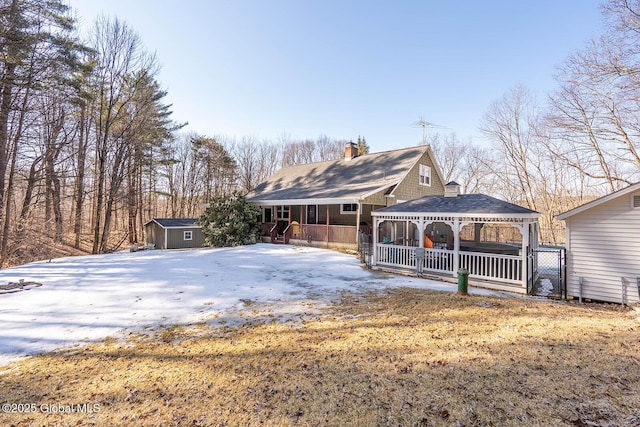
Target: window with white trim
425, 175
267, 215
283, 212
188, 235
349, 208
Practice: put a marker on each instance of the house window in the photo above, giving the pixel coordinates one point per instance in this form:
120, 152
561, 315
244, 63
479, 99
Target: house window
283, 212
267, 215
636, 201
312, 214
425, 175
349, 208
188, 235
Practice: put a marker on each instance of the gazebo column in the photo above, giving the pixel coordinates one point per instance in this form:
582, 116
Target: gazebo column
418, 233
374, 238
456, 246
524, 231
458, 226
523, 228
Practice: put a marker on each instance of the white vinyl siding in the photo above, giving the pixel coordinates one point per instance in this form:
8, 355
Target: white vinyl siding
603, 246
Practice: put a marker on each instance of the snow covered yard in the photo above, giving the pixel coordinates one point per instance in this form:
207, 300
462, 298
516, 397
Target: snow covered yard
85, 299
399, 355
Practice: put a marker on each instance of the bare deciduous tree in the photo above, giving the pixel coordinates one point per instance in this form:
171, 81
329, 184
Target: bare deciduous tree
510, 123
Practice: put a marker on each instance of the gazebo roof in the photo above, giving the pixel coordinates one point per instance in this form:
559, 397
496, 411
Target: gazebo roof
462, 204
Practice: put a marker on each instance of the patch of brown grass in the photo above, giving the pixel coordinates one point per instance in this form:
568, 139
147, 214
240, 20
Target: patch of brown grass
406, 357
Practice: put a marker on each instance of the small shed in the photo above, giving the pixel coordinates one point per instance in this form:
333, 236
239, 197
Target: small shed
174, 233
603, 247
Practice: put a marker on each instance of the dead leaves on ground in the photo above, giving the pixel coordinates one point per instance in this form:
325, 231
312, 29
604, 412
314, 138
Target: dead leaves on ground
404, 357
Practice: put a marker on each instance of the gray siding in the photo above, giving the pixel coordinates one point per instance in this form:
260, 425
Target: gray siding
410, 187
175, 237
155, 234
603, 246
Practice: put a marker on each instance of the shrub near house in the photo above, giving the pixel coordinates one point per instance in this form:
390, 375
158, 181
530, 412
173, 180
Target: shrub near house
230, 221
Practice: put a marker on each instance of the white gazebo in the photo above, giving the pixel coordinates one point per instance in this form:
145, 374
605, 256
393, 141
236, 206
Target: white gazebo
492, 239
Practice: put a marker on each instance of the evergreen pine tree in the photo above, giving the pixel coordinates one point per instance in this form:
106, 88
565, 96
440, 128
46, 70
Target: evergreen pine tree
363, 147
230, 221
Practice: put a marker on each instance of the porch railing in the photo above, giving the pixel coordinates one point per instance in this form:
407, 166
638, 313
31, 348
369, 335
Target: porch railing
503, 268
342, 234
322, 233
313, 232
396, 256
436, 260
481, 265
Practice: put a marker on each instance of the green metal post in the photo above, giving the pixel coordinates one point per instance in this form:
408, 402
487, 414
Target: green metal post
463, 282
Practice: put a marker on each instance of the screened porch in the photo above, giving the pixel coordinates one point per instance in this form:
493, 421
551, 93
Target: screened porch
495, 248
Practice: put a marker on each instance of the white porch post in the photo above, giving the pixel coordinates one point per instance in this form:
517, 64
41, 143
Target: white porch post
456, 246
374, 238
524, 230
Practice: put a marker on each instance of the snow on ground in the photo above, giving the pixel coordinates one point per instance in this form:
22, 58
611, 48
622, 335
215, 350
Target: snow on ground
546, 287
85, 299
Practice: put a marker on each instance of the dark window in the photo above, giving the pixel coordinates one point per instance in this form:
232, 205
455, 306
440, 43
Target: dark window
267, 215
312, 214
348, 208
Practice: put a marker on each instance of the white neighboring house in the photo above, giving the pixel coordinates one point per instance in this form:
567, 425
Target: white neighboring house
603, 247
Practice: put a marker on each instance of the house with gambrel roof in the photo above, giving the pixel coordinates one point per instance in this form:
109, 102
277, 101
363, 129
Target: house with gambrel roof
328, 203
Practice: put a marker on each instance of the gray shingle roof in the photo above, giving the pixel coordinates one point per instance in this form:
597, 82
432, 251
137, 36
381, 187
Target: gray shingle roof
176, 222
463, 203
338, 179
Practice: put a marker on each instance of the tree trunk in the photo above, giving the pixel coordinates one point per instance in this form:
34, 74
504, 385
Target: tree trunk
79, 196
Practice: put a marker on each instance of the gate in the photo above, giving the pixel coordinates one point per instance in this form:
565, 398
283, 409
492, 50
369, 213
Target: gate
365, 248
549, 273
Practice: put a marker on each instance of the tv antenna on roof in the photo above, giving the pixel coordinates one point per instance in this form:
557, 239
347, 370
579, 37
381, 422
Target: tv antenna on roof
421, 122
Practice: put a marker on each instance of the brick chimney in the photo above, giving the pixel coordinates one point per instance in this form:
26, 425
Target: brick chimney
350, 151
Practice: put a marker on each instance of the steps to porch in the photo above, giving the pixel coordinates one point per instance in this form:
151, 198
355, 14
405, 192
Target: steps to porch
278, 240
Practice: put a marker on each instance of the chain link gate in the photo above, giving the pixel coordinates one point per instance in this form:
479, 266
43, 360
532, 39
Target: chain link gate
549, 278
365, 248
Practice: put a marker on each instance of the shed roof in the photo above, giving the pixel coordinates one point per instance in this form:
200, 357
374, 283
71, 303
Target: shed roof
601, 200
338, 181
476, 204
175, 222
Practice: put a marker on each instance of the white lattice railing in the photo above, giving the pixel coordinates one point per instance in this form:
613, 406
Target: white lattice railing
437, 260
496, 267
502, 268
396, 256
